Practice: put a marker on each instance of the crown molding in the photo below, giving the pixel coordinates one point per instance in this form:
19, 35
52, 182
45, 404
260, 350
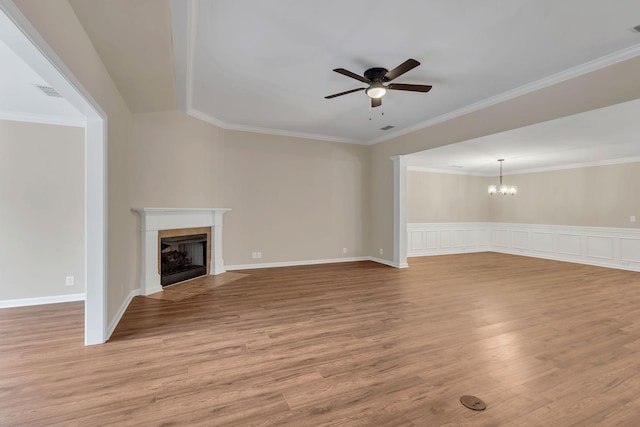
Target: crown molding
445, 171
278, 132
45, 119
532, 170
596, 64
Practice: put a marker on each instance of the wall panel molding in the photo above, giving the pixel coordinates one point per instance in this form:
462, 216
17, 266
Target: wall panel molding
600, 246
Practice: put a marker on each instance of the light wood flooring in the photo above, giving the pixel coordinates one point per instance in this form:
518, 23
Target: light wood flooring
544, 343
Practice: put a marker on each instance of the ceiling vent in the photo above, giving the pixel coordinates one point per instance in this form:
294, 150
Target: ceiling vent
387, 127
49, 91
636, 29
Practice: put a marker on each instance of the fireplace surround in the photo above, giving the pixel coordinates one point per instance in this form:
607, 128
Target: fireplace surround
171, 221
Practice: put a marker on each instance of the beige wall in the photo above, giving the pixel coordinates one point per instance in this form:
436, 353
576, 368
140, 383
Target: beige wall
41, 210
439, 197
58, 24
293, 199
176, 162
598, 196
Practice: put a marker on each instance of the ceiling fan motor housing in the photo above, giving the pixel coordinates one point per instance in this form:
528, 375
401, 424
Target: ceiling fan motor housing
376, 74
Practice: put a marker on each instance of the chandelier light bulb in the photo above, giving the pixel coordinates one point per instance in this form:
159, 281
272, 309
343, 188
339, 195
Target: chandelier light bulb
504, 189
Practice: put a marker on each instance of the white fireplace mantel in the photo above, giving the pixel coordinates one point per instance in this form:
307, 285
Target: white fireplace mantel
155, 219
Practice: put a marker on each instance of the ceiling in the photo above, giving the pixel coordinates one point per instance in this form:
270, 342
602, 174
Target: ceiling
266, 67
20, 97
604, 136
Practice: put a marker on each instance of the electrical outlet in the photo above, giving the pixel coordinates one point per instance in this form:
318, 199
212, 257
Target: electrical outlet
344, 250
256, 255
259, 254
70, 281
381, 251
632, 218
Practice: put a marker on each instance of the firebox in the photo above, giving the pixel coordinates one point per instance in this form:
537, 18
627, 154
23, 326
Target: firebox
182, 258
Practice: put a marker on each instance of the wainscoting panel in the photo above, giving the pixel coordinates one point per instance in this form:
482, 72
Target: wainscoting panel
630, 250
542, 242
569, 244
602, 246
447, 238
520, 239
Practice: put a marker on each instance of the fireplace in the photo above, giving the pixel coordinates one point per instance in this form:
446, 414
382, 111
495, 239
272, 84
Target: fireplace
159, 223
182, 257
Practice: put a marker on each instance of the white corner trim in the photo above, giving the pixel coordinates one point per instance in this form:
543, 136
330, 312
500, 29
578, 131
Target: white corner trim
24, 302
596, 64
123, 308
399, 210
45, 119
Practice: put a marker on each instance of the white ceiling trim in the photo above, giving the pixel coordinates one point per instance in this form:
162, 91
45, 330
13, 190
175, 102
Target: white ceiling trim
526, 171
596, 64
47, 119
280, 132
445, 171
577, 165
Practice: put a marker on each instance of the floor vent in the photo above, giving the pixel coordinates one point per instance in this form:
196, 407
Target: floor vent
49, 91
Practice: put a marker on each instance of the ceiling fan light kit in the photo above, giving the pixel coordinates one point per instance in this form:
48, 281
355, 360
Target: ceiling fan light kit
377, 77
505, 190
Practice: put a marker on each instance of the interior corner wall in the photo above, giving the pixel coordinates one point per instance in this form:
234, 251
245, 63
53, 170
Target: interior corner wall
56, 21
596, 196
441, 198
41, 210
293, 199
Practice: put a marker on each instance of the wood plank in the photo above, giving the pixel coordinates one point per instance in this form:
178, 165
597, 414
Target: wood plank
542, 342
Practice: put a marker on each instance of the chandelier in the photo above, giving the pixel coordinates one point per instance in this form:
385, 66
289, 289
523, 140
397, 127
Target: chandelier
505, 190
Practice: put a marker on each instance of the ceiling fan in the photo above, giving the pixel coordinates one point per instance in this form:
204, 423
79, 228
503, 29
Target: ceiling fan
377, 77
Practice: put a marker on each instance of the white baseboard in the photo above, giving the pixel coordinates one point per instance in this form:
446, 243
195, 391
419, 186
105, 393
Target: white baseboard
315, 262
295, 263
387, 262
567, 259
116, 319
23, 302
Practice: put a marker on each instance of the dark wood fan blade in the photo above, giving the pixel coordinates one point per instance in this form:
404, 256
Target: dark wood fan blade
344, 93
352, 75
407, 65
412, 88
376, 102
